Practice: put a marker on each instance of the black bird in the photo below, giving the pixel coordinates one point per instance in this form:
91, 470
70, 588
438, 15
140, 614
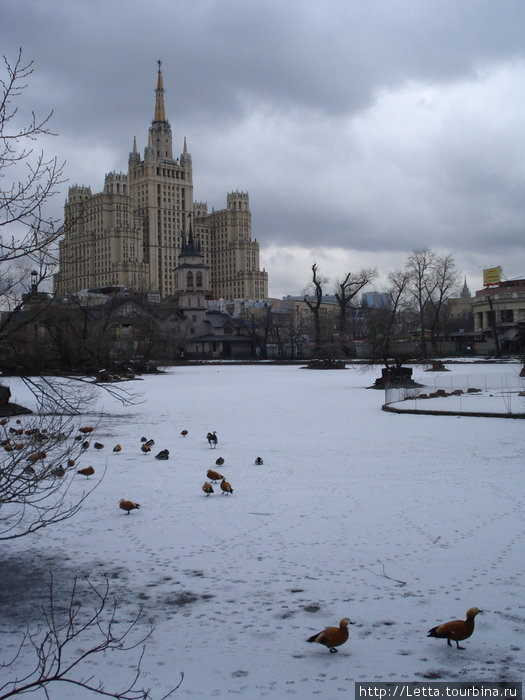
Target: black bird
212, 439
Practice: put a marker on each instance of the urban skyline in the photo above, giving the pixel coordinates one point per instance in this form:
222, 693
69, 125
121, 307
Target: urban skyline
360, 130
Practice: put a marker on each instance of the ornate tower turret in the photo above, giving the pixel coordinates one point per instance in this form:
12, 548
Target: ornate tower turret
161, 139
191, 275
134, 157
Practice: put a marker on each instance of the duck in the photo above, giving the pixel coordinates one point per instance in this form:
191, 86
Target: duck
183, 433
259, 460
333, 637
457, 630
145, 448
117, 448
59, 471
219, 462
86, 429
71, 462
98, 446
163, 454
214, 476
226, 487
128, 505
87, 471
212, 439
207, 488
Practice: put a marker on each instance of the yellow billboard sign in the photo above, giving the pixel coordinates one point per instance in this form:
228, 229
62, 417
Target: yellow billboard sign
491, 275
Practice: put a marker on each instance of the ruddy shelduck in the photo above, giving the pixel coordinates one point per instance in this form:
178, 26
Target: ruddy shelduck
332, 637
87, 471
207, 488
226, 487
117, 448
183, 433
457, 630
128, 505
214, 476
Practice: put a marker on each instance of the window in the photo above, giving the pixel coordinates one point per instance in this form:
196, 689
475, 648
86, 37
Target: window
199, 279
189, 279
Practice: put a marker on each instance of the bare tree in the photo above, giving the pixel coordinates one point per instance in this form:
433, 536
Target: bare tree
445, 284
422, 282
386, 322
29, 179
350, 286
58, 659
318, 282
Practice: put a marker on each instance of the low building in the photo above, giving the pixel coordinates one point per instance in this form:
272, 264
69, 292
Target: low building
499, 316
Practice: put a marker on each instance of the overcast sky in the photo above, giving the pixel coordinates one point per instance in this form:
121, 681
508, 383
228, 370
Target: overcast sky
362, 129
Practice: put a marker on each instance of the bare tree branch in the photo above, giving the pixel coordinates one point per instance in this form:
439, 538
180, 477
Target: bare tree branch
58, 659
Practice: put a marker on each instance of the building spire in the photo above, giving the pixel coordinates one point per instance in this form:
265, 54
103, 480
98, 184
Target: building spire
160, 115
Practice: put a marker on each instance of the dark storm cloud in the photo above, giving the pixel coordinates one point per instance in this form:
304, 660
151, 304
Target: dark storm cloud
373, 127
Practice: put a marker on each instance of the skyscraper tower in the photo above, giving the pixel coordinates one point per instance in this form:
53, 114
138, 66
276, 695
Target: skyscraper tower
131, 233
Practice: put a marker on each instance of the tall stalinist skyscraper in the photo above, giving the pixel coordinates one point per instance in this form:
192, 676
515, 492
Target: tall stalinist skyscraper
131, 233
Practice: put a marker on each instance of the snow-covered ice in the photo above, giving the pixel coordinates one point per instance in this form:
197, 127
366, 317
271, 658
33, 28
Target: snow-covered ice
397, 521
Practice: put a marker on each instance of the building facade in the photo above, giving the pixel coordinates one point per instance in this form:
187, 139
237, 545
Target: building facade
131, 233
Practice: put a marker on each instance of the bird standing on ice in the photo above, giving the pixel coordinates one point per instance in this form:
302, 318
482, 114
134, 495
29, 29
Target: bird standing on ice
333, 637
226, 487
128, 505
214, 476
212, 439
457, 630
207, 488
87, 471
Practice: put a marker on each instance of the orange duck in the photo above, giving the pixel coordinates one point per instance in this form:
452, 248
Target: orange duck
214, 476
457, 630
128, 505
87, 471
333, 637
226, 487
207, 488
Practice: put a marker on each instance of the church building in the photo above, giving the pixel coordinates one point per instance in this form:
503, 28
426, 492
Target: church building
131, 234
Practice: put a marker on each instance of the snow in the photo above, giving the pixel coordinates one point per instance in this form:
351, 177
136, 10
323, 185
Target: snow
399, 522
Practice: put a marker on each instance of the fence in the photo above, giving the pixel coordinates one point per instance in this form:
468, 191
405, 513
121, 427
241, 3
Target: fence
480, 393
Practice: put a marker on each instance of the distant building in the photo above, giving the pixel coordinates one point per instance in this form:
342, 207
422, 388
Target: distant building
460, 308
131, 233
499, 314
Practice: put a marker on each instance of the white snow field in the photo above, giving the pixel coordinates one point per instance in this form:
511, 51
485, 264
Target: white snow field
398, 522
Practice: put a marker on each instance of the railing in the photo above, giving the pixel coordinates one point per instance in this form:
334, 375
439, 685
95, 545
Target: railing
499, 393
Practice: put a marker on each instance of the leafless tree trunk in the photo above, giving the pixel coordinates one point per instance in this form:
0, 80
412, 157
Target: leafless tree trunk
352, 284
422, 282
386, 322
445, 284
314, 307
58, 657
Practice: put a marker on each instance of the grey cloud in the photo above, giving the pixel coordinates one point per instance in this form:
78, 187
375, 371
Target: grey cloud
280, 99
